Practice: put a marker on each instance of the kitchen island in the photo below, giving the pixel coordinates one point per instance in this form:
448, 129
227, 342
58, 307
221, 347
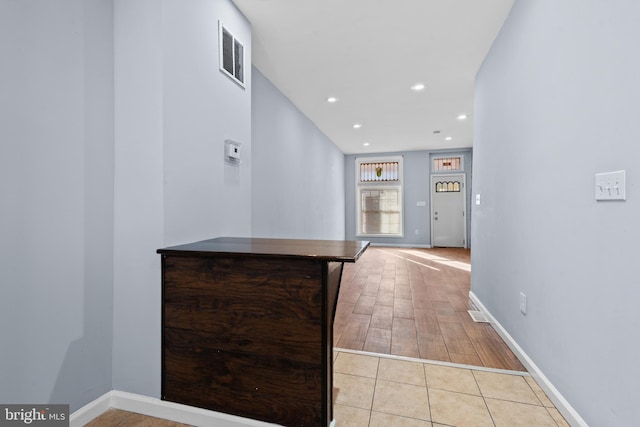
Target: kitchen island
247, 326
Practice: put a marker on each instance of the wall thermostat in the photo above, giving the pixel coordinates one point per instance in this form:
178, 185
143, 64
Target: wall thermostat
232, 151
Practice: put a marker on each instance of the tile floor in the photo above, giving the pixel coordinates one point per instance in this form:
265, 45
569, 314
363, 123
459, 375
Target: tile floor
372, 390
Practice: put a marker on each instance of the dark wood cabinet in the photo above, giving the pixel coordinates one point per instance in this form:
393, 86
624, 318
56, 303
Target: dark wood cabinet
247, 326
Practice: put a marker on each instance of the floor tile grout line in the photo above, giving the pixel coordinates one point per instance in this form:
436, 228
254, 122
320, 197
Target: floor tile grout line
426, 384
551, 415
535, 394
515, 401
484, 400
435, 362
375, 387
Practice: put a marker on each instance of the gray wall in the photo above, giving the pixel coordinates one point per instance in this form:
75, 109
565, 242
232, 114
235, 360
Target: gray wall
417, 220
113, 118
204, 196
174, 110
557, 102
298, 173
56, 183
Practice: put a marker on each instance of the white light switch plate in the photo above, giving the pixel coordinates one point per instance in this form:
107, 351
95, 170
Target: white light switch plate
523, 303
611, 186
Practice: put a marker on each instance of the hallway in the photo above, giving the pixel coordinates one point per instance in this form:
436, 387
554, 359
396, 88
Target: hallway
413, 303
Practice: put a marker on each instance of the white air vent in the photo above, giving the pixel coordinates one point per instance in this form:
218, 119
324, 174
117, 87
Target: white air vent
231, 55
478, 316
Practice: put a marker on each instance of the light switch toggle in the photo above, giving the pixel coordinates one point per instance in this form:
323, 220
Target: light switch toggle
611, 185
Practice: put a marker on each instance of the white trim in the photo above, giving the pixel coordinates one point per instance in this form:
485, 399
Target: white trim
565, 408
90, 411
399, 245
154, 407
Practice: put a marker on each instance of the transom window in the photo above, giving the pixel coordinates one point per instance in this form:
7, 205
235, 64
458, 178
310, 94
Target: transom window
445, 164
381, 171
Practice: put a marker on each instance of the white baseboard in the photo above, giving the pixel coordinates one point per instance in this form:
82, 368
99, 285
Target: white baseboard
153, 407
90, 411
399, 245
567, 411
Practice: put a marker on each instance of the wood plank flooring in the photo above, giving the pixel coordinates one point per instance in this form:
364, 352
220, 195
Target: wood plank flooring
120, 418
414, 302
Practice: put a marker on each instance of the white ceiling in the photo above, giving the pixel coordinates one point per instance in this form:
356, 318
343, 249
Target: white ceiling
368, 53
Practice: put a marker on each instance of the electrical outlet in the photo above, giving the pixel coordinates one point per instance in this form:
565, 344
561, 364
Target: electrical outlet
523, 303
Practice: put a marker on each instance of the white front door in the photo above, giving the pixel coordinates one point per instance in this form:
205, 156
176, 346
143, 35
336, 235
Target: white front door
448, 204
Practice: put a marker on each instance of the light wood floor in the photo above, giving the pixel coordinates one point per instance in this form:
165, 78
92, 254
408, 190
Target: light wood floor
414, 302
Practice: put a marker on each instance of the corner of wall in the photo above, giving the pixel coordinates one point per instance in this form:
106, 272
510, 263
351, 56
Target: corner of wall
565, 408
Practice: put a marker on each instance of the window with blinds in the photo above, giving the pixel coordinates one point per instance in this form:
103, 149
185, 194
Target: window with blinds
379, 197
381, 211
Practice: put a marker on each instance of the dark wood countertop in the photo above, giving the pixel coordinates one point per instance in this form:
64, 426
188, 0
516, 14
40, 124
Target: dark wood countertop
321, 250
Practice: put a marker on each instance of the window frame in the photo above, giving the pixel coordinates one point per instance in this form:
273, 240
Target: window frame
379, 185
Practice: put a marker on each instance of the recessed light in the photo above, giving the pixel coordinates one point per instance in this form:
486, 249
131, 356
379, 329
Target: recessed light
332, 99
418, 87
448, 138
366, 144
462, 116
357, 125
